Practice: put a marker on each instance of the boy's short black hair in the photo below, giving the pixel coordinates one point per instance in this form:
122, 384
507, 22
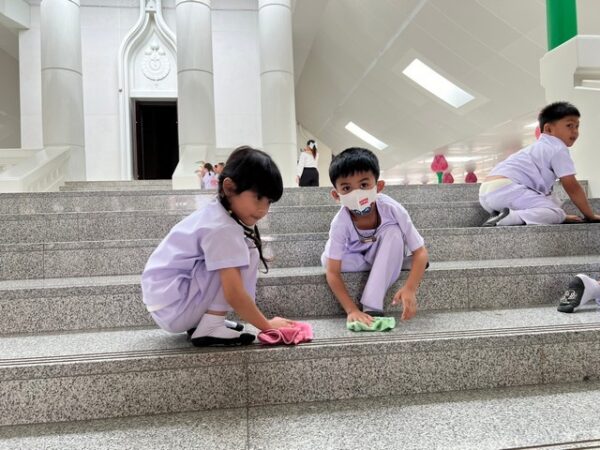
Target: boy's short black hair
351, 161
556, 111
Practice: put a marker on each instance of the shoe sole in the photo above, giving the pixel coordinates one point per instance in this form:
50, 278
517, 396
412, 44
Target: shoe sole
210, 341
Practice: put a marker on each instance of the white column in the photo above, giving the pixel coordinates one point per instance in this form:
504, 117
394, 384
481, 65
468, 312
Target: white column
62, 85
195, 91
277, 85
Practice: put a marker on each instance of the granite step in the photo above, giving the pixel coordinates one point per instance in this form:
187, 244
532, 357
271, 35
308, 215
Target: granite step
128, 257
40, 305
164, 199
101, 374
484, 419
155, 224
116, 185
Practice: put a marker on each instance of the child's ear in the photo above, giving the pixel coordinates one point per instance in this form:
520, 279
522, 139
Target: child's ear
228, 187
335, 195
380, 186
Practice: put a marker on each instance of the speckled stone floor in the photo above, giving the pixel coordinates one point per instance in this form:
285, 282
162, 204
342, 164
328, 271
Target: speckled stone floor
563, 416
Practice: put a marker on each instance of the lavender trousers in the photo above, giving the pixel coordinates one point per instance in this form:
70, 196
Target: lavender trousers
187, 313
532, 207
384, 260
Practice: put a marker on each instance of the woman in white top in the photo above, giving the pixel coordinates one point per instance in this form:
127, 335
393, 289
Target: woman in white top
307, 173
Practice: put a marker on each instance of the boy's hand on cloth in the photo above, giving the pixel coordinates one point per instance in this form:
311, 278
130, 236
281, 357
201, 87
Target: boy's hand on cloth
409, 302
280, 322
572, 218
359, 316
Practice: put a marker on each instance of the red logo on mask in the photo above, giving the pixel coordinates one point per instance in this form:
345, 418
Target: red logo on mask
363, 201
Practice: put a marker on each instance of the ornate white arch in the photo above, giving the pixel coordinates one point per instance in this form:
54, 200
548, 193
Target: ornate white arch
147, 69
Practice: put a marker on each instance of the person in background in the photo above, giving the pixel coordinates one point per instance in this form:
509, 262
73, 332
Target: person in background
210, 180
518, 190
307, 173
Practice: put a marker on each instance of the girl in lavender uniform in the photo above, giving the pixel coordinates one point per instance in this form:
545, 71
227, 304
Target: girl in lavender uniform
371, 232
518, 190
208, 263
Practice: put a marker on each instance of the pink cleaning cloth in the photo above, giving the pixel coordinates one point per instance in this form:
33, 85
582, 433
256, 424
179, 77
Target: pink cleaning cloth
300, 332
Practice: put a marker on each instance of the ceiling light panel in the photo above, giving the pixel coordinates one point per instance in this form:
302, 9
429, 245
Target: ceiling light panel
365, 136
435, 83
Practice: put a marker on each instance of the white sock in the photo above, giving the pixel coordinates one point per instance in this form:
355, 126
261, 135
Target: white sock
512, 219
214, 325
592, 288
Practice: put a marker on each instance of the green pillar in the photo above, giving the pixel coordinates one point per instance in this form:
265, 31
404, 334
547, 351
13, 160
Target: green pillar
561, 21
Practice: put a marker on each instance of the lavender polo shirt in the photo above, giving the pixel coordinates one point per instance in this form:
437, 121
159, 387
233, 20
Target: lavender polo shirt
343, 237
184, 263
539, 165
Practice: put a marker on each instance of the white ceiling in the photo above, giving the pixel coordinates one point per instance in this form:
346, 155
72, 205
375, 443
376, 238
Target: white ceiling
349, 57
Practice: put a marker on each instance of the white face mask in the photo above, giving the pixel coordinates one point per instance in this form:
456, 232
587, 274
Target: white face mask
359, 200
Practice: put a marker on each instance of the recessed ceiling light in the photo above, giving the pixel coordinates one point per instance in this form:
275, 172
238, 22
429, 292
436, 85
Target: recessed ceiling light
532, 125
439, 86
365, 136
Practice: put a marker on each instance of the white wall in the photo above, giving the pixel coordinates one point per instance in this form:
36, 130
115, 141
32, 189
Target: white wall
102, 30
236, 82
236, 65
10, 122
588, 21
236, 69
30, 70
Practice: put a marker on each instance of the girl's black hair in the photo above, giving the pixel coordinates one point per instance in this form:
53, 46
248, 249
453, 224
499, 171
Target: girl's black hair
353, 160
209, 167
251, 170
556, 111
313, 147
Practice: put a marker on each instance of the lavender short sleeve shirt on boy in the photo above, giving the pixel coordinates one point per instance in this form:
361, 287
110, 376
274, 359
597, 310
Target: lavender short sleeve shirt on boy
181, 266
539, 165
343, 237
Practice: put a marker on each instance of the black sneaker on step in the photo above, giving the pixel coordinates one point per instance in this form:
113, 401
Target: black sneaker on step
228, 323
210, 341
495, 218
572, 296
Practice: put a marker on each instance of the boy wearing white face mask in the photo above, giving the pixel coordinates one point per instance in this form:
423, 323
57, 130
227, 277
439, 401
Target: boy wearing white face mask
371, 232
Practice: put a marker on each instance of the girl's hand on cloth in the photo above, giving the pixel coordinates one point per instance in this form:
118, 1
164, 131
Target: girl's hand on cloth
280, 322
409, 302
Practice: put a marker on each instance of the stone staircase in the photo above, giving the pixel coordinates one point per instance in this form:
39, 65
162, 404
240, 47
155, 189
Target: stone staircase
76, 343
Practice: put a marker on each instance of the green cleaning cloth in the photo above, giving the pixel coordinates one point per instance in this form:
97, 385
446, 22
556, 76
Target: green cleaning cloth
378, 324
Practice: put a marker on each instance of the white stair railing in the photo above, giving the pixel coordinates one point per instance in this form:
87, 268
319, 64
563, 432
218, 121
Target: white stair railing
33, 170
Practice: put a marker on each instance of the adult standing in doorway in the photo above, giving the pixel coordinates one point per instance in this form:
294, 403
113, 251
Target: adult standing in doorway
307, 173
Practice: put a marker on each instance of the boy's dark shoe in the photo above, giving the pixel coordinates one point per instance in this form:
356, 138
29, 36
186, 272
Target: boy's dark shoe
571, 299
495, 218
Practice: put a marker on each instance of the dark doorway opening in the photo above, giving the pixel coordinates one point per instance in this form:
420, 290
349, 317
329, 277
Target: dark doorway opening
156, 144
